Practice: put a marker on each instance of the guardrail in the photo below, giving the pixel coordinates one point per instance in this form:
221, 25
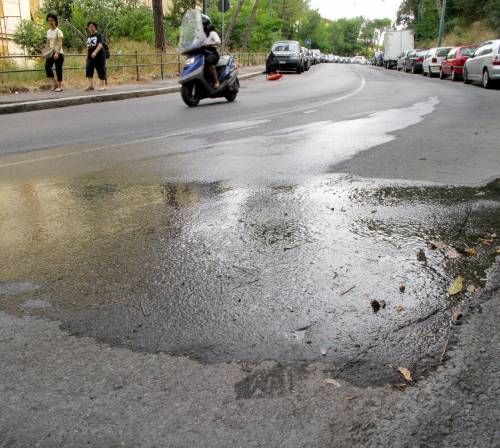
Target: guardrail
162, 63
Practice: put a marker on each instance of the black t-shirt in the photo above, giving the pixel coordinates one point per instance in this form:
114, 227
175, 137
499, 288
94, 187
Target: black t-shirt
92, 42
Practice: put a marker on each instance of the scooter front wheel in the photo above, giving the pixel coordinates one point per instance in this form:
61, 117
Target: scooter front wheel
231, 95
189, 94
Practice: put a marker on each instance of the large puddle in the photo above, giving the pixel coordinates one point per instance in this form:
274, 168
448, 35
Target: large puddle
223, 272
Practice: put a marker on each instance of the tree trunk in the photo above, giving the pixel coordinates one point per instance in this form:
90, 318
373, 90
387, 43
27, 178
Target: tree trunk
158, 24
251, 21
233, 22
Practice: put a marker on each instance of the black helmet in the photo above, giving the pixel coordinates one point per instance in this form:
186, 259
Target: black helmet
205, 20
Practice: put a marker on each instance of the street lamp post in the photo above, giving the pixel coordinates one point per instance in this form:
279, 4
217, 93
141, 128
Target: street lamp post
442, 23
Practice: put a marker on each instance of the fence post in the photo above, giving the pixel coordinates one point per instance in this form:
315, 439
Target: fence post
161, 65
178, 64
136, 66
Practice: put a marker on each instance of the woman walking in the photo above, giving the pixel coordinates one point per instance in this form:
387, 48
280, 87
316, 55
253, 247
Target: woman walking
53, 52
96, 57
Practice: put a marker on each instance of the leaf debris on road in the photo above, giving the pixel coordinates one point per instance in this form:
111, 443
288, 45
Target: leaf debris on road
406, 374
456, 287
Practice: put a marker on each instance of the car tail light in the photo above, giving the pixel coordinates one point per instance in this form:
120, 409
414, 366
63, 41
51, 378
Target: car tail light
434, 60
496, 60
420, 59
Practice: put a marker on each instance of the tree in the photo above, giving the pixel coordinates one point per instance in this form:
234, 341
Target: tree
158, 24
234, 18
251, 22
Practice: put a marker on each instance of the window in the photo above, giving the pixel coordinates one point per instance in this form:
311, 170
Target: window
442, 52
484, 50
286, 46
452, 54
468, 51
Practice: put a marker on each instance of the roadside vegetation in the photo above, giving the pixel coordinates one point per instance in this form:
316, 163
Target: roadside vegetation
467, 21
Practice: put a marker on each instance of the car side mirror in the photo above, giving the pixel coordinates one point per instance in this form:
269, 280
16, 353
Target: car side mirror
472, 56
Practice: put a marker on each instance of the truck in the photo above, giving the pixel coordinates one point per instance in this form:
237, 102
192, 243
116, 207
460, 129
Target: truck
395, 43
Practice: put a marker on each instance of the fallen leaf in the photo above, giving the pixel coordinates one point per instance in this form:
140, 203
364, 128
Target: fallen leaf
486, 242
498, 250
351, 397
405, 373
402, 287
433, 245
456, 287
332, 382
472, 288
399, 308
470, 251
457, 315
452, 253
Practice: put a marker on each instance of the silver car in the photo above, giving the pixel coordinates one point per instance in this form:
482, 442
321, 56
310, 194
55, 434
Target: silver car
484, 64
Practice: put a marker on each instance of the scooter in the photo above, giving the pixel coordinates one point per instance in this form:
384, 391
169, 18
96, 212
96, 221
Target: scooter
195, 86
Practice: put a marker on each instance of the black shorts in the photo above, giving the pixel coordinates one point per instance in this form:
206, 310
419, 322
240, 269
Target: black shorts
212, 58
99, 64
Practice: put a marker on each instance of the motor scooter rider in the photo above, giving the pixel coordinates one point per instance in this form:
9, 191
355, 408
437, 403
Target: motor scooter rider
211, 54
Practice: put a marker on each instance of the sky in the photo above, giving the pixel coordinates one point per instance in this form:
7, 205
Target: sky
371, 9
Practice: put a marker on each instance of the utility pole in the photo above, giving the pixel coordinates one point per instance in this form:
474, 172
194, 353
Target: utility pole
205, 6
442, 23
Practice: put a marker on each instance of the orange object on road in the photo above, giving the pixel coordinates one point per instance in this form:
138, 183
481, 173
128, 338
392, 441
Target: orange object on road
274, 77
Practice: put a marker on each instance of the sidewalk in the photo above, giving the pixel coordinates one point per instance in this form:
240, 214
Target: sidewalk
39, 100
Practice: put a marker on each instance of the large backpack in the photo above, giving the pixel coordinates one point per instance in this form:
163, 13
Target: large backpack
105, 47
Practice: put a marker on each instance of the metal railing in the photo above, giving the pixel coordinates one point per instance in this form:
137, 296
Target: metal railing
162, 63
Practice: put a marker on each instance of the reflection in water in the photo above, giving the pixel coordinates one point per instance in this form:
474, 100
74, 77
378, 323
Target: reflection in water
225, 272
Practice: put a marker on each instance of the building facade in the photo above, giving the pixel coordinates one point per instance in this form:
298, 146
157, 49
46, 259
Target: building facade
11, 14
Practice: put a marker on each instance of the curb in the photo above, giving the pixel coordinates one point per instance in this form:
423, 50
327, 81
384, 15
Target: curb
29, 106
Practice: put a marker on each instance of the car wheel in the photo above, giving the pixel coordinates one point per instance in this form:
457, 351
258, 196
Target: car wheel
466, 77
431, 75
298, 70
486, 79
441, 74
454, 76
413, 72
423, 72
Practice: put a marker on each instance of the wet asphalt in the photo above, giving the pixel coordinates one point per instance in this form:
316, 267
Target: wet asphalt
259, 231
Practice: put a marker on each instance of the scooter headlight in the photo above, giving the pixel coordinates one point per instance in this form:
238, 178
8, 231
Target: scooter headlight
189, 61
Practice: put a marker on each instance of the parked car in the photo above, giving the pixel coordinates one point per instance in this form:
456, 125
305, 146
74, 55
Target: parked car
415, 61
316, 56
484, 64
401, 64
361, 60
432, 62
307, 58
289, 55
378, 59
453, 63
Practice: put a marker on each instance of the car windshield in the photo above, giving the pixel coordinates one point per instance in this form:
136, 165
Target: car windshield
421, 53
468, 51
443, 52
285, 46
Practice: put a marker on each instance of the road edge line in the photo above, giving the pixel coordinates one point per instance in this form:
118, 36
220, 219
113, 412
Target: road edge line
30, 106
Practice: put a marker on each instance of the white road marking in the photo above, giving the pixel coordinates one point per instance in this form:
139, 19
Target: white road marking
311, 111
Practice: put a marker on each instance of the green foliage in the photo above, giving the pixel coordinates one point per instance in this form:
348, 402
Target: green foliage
423, 16
31, 35
129, 19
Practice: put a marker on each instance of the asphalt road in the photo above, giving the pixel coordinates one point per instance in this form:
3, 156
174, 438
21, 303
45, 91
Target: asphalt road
218, 266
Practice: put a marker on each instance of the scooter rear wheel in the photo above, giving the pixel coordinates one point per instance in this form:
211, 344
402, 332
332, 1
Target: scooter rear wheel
189, 94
